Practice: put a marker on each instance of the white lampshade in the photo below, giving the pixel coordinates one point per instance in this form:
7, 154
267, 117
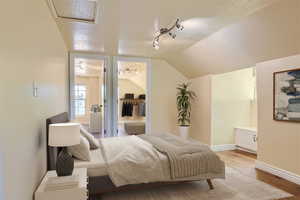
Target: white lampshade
64, 134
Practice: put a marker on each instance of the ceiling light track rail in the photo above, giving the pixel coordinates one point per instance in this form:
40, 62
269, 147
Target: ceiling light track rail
170, 31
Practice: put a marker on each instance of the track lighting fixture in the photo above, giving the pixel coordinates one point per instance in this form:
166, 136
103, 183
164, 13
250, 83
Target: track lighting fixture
168, 31
156, 43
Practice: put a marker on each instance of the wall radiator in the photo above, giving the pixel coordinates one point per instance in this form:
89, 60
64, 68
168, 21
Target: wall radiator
246, 139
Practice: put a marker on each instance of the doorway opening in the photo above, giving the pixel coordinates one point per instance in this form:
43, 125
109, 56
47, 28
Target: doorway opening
234, 110
131, 94
110, 98
88, 92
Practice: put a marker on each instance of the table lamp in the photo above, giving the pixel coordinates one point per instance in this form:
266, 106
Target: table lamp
64, 135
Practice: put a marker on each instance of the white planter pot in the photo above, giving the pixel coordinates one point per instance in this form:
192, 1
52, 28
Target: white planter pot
184, 131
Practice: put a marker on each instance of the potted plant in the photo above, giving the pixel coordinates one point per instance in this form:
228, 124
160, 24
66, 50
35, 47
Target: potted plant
184, 99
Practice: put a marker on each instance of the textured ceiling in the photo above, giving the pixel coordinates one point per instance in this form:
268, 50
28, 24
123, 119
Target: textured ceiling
128, 27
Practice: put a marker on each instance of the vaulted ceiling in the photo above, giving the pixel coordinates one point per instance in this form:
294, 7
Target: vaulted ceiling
219, 35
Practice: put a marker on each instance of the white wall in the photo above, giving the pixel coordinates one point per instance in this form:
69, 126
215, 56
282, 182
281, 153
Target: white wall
201, 109
31, 49
279, 142
165, 79
232, 93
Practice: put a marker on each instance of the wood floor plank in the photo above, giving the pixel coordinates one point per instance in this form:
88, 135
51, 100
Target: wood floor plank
245, 163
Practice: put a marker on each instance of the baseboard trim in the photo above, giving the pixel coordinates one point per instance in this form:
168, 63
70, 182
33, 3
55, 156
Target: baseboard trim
223, 147
246, 150
278, 172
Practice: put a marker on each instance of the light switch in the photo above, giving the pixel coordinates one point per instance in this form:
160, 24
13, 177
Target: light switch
35, 89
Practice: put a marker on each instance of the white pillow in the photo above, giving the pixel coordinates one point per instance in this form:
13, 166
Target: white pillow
82, 150
94, 143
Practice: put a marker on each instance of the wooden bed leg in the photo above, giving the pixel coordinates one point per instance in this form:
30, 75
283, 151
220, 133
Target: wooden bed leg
210, 184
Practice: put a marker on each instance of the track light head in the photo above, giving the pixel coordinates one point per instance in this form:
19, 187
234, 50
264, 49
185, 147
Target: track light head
156, 43
179, 26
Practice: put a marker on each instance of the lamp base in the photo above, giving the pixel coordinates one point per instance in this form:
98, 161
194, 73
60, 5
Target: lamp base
64, 163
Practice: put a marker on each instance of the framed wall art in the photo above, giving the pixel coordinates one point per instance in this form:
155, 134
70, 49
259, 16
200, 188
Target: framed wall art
286, 95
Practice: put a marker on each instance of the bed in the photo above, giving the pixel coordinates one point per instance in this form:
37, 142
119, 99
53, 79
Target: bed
103, 173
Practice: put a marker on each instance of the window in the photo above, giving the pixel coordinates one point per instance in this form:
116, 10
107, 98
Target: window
80, 100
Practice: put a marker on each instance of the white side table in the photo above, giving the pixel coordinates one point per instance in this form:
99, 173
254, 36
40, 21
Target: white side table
95, 122
78, 193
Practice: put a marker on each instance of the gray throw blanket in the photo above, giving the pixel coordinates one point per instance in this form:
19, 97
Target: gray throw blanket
187, 158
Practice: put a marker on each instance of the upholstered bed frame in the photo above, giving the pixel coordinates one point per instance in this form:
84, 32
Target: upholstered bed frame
100, 184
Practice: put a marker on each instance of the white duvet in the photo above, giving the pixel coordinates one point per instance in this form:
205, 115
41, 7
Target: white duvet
131, 160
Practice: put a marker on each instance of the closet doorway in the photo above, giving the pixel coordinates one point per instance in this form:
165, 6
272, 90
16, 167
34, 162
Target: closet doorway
131, 96
88, 92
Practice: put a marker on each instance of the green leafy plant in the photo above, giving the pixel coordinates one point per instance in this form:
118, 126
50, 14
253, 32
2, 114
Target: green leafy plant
184, 99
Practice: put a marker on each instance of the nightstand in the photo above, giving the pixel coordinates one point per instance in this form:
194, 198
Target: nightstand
77, 193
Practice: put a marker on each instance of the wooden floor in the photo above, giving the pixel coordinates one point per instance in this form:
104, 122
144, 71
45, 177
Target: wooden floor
245, 163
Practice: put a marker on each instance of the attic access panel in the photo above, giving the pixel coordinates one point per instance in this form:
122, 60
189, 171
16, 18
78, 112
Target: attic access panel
78, 10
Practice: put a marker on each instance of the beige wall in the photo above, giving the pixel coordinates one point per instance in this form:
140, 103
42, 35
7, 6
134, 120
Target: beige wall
163, 97
278, 142
232, 95
31, 49
201, 109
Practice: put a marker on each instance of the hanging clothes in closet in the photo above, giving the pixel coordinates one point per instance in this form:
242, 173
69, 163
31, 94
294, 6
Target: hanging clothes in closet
127, 107
142, 109
142, 106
